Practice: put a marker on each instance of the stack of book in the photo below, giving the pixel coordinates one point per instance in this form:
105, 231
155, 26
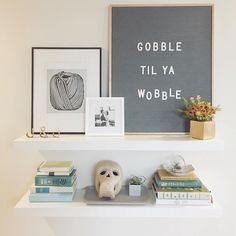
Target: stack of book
55, 181
180, 190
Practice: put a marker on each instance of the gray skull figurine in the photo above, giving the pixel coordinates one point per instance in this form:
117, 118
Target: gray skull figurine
108, 179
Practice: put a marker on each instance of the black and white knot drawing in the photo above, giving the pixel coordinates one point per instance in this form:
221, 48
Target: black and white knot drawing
66, 91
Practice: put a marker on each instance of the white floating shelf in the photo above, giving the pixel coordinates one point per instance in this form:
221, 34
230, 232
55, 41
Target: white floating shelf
124, 143
78, 208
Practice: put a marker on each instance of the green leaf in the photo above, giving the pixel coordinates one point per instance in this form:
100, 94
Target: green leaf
185, 101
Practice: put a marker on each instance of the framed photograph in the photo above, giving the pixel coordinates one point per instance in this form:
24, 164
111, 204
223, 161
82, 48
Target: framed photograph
104, 116
167, 56
61, 80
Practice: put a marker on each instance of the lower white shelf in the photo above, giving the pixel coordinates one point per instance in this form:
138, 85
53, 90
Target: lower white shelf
78, 208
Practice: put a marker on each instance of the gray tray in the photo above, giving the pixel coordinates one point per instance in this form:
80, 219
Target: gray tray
147, 197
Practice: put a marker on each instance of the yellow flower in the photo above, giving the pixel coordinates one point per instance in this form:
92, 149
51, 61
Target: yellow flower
198, 113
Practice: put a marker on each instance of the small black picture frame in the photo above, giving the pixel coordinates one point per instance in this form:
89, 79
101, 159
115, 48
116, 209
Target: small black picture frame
62, 77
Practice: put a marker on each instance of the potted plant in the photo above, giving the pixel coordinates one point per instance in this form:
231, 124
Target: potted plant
135, 185
201, 114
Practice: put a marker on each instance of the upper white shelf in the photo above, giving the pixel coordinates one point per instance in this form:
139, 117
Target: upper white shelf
78, 208
124, 143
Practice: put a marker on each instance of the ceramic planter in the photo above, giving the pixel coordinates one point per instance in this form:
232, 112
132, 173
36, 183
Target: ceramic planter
134, 190
202, 129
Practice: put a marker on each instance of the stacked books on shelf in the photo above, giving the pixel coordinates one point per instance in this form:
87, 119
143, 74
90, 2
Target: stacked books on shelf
180, 190
55, 181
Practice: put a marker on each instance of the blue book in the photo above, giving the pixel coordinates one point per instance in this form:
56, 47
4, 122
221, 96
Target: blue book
51, 197
54, 189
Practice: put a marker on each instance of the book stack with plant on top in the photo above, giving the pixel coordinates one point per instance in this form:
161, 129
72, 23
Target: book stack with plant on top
55, 181
180, 190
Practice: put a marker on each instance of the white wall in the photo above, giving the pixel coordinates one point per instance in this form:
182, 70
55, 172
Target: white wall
28, 23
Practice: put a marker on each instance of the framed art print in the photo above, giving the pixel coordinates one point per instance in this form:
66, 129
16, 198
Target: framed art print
159, 54
61, 80
104, 116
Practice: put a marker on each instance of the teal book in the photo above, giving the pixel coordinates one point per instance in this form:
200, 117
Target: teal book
51, 197
45, 180
54, 189
177, 183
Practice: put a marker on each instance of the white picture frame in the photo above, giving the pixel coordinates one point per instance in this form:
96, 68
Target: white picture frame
62, 77
104, 116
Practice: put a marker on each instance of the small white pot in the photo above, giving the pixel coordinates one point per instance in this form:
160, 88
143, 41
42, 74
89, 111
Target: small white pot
134, 190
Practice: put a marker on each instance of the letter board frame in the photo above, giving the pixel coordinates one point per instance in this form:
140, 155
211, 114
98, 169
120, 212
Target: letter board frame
192, 25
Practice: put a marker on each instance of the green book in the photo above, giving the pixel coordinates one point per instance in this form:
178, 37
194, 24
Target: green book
177, 183
45, 180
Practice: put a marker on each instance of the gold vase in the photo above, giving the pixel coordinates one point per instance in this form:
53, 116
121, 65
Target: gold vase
202, 129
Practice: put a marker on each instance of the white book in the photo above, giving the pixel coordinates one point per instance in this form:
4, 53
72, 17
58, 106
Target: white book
55, 166
55, 173
185, 202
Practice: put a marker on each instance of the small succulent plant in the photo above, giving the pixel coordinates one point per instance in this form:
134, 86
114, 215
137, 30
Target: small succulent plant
137, 180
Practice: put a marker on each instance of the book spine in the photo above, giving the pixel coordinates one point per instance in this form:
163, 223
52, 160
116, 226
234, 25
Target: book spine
181, 195
54, 189
184, 195
178, 183
51, 197
183, 202
54, 180
53, 173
